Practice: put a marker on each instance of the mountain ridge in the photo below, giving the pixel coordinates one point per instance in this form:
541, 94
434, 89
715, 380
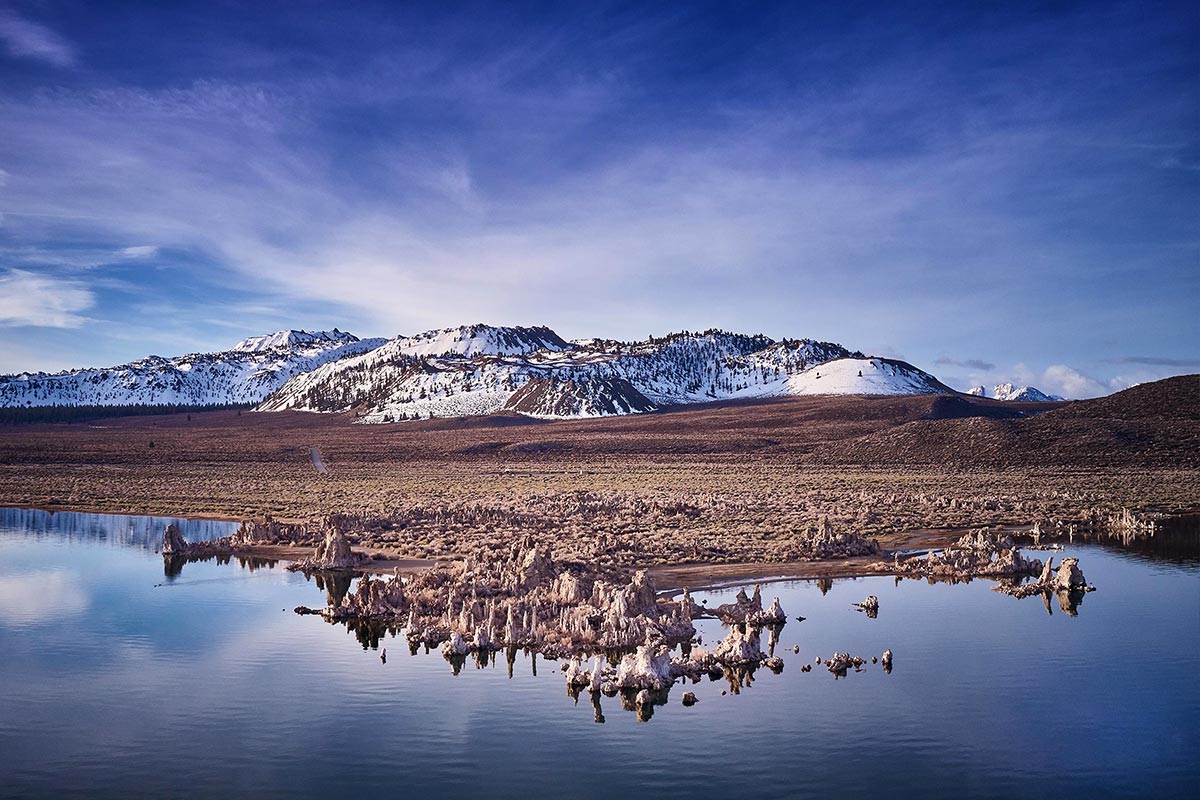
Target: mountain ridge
580, 378
246, 373
480, 369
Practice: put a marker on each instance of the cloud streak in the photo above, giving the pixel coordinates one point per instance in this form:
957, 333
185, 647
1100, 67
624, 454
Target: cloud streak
24, 38
969, 363
28, 299
835, 182
1152, 361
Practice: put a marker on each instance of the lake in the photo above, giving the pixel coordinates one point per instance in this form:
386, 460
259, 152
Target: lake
118, 679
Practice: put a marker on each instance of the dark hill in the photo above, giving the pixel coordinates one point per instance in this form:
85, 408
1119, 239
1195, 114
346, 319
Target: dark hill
1151, 425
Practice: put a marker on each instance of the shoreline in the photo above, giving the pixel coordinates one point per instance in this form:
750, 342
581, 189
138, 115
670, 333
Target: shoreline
668, 578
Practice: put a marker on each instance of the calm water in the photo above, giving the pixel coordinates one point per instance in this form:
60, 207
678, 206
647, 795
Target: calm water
117, 680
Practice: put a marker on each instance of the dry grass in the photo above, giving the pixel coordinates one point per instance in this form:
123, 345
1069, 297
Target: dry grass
728, 483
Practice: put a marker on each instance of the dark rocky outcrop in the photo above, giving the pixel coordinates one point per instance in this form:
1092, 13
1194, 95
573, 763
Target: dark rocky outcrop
175, 549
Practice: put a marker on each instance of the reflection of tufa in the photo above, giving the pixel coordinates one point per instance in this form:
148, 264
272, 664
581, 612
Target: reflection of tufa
522, 598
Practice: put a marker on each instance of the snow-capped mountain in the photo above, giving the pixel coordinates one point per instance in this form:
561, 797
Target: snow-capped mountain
865, 376
247, 373
475, 370
292, 340
479, 339
1006, 391
586, 377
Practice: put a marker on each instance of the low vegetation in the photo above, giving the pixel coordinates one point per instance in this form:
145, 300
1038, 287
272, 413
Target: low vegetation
721, 483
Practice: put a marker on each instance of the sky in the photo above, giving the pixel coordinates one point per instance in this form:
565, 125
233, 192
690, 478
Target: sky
991, 191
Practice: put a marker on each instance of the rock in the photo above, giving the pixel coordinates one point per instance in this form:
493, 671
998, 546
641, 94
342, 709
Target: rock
887, 661
177, 551
841, 662
1068, 583
690, 699
1069, 576
373, 598
333, 553
870, 605
173, 542
823, 543
647, 668
740, 647
975, 554
750, 610
536, 566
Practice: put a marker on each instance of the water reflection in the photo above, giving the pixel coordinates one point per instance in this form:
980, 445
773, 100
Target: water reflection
42, 596
118, 529
1175, 540
95, 673
173, 564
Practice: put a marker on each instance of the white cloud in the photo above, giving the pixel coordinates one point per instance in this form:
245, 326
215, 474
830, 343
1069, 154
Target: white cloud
1060, 379
27, 298
25, 38
1069, 382
139, 251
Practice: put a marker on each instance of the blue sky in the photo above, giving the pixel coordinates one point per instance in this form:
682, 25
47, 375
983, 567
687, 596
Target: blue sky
1000, 191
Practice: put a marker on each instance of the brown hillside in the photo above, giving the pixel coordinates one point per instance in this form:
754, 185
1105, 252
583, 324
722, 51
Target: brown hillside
1152, 425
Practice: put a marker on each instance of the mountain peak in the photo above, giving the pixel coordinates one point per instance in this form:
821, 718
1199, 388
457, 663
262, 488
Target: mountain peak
478, 339
1009, 392
291, 338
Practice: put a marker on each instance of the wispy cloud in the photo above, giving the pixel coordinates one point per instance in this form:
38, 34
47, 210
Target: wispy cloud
36, 300
969, 363
1153, 361
139, 251
24, 38
902, 188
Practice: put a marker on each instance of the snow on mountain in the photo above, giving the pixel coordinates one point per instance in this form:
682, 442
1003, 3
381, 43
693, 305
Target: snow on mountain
249, 372
473, 340
293, 339
870, 376
475, 370
587, 377
1006, 391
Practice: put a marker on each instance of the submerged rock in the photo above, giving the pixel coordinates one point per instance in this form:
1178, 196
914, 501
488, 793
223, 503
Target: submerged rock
1068, 584
741, 647
870, 605
840, 663
750, 610
977, 554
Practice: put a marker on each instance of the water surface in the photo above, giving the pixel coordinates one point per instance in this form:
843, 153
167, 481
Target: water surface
119, 680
